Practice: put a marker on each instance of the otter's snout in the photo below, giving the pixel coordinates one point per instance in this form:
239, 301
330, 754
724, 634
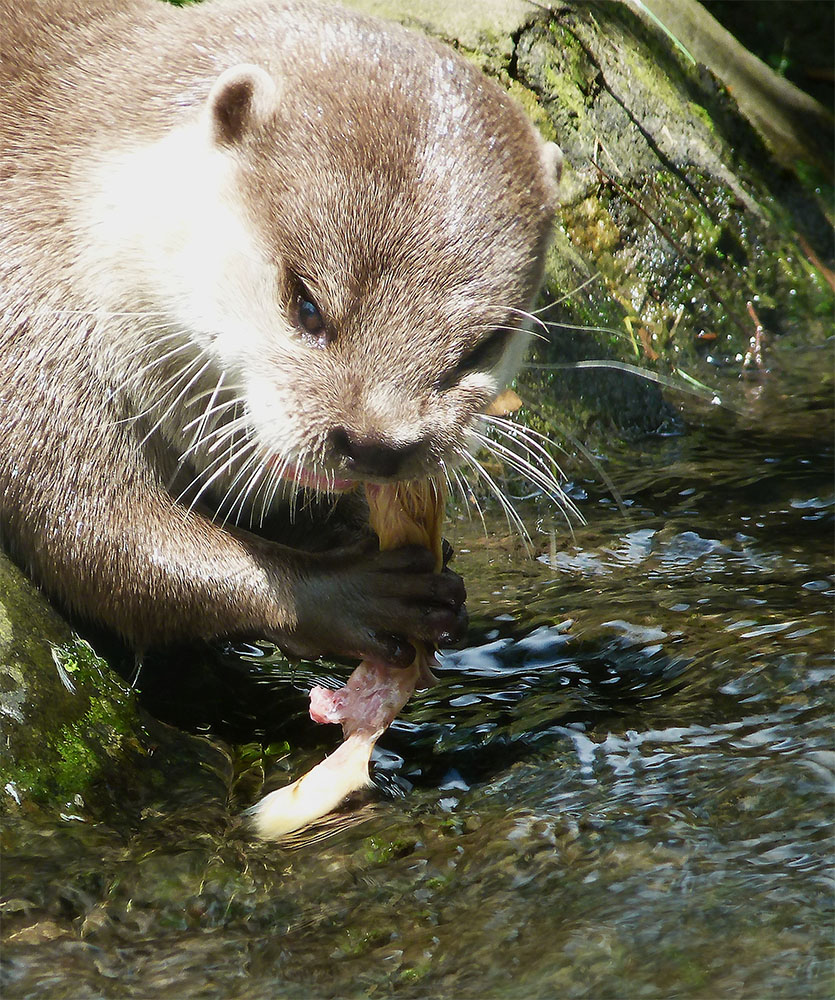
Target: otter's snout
371, 454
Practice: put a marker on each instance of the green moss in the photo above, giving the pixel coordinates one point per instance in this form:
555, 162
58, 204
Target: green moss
576, 67
381, 850
704, 233
358, 941
816, 182
530, 102
414, 973
702, 114
566, 72
67, 744
591, 226
76, 762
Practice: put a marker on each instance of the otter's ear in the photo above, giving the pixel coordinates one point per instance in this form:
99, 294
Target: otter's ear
242, 98
552, 159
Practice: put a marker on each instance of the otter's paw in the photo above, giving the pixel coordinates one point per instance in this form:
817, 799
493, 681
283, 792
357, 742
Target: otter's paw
376, 605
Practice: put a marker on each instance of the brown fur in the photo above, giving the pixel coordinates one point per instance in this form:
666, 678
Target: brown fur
412, 264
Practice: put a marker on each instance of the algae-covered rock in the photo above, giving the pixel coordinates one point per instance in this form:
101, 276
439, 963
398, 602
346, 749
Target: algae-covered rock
72, 730
64, 714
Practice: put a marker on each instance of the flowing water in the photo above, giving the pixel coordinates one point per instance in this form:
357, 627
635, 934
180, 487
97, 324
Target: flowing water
622, 787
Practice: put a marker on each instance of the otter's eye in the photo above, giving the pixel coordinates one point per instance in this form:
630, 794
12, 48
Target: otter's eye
309, 318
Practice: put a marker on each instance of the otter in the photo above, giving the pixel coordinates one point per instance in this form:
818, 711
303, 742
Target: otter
252, 254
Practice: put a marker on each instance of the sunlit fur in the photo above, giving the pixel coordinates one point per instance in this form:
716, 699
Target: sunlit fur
158, 213
218, 368
211, 391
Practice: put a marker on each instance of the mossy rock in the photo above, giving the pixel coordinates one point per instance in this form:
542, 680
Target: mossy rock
73, 735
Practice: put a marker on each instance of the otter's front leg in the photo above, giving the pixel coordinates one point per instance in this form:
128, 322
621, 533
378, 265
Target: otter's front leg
149, 569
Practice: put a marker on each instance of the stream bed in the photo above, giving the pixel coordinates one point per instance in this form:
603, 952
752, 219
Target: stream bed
621, 788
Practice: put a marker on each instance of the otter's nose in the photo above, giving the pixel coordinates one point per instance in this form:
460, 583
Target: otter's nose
371, 454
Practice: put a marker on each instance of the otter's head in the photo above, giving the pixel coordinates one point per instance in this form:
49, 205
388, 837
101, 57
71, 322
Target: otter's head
361, 224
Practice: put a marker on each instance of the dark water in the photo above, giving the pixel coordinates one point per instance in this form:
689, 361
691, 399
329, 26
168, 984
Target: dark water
622, 788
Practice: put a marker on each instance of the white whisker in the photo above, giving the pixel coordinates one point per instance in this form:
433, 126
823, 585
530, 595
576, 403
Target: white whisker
98, 312
274, 482
222, 433
533, 437
144, 371
146, 347
230, 459
177, 398
531, 318
567, 295
470, 500
203, 419
210, 414
256, 464
514, 521
703, 393
536, 475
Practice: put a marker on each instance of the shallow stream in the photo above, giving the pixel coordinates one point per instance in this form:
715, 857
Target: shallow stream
622, 787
